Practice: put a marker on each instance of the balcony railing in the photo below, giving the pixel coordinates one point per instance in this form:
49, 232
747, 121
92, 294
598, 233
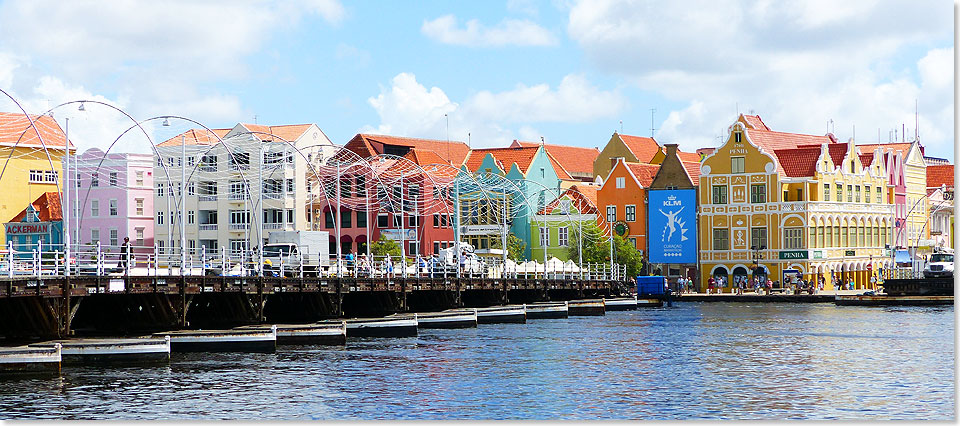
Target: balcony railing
239, 226
208, 167
240, 167
281, 226
238, 196
208, 227
827, 206
212, 197
273, 195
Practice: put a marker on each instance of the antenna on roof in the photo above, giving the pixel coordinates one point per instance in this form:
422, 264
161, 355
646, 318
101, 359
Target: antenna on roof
446, 117
468, 139
541, 140
255, 119
916, 118
652, 112
621, 127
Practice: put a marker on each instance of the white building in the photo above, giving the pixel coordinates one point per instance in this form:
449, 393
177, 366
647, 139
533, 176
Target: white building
230, 192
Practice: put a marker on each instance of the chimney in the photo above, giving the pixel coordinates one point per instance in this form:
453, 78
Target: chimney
671, 149
614, 161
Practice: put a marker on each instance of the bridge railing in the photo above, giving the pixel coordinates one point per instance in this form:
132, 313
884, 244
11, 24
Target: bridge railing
132, 260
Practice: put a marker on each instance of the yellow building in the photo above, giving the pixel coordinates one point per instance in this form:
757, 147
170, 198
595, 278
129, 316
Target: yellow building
27, 170
788, 205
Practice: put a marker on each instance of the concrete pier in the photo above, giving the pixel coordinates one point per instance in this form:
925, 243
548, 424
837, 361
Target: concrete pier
502, 314
112, 351
247, 340
27, 361
586, 307
331, 332
884, 300
649, 303
391, 326
620, 304
547, 310
453, 318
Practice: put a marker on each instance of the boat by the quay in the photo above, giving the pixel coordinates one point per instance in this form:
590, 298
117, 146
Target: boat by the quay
255, 339
547, 310
452, 318
147, 350
397, 325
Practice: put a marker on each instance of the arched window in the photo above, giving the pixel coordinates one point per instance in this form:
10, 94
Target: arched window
830, 241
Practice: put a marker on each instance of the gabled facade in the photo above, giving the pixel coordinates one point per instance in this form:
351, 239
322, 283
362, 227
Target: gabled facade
676, 173
574, 160
226, 180
622, 198
535, 174
940, 190
789, 205
555, 225
115, 200
29, 171
633, 149
907, 174
41, 221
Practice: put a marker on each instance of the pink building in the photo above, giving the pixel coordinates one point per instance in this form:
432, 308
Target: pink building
115, 198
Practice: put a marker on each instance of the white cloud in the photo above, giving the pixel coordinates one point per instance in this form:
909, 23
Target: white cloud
408, 108
152, 57
509, 32
526, 7
797, 64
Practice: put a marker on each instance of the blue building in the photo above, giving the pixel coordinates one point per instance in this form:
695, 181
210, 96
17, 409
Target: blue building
42, 220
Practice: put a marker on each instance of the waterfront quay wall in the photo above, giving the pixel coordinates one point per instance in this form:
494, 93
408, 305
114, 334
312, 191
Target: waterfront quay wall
59, 307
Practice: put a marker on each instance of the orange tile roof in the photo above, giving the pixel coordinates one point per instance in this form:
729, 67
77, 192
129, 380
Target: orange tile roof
16, 129
584, 199
798, 162
837, 151
690, 157
196, 137
754, 122
866, 159
47, 206
423, 157
505, 158
903, 147
940, 175
643, 172
286, 132
771, 141
574, 159
558, 168
366, 145
693, 170
642, 148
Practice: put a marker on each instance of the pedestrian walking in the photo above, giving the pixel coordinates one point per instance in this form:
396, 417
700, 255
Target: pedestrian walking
710, 284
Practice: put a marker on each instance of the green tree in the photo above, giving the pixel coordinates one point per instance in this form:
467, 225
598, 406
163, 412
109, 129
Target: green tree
385, 246
625, 253
515, 247
596, 247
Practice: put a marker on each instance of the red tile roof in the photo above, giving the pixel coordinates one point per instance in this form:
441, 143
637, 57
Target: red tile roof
584, 199
367, 145
642, 148
690, 157
47, 206
574, 159
754, 122
903, 147
643, 172
866, 159
771, 141
837, 151
940, 175
16, 129
507, 157
798, 162
286, 132
423, 157
197, 137
693, 170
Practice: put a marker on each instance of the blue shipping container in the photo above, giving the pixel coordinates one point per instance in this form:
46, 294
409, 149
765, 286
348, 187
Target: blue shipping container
650, 285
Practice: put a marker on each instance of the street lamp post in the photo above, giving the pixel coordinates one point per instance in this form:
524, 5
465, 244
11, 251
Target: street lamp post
756, 259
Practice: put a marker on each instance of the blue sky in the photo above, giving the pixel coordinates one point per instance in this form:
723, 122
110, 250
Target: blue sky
568, 71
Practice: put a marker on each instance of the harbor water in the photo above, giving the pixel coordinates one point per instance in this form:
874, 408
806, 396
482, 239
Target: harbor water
691, 361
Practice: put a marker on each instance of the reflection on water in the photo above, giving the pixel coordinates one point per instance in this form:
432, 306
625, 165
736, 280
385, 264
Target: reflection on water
693, 361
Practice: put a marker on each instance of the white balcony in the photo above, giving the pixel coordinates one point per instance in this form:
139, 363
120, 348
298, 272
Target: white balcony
209, 227
836, 207
208, 168
207, 197
239, 226
272, 195
280, 226
238, 196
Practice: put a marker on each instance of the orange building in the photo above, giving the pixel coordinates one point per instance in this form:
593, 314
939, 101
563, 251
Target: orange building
622, 200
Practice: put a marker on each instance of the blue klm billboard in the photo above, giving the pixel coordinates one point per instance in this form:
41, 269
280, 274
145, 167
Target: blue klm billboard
672, 226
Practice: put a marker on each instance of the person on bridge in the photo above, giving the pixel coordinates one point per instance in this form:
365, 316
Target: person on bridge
124, 253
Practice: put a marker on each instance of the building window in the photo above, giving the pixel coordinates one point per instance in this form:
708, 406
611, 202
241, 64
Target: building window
793, 238
436, 247
738, 137
445, 220
290, 218
138, 232
621, 183
857, 188
611, 214
398, 220
544, 237
382, 220
113, 207
345, 219
436, 221
721, 239
826, 192
849, 193
736, 164
328, 219
758, 237
139, 177
139, 206
866, 194
719, 194
191, 217
94, 235
114, 237
160, 218
361, 219
95, 180
113, 179
95, 208
239, 217
563, 236
631, 213
43, 176
758, 193
159, 189
879, 195
160, 248
191, 188
839, 192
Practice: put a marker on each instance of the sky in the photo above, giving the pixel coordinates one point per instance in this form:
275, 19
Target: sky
570, 72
